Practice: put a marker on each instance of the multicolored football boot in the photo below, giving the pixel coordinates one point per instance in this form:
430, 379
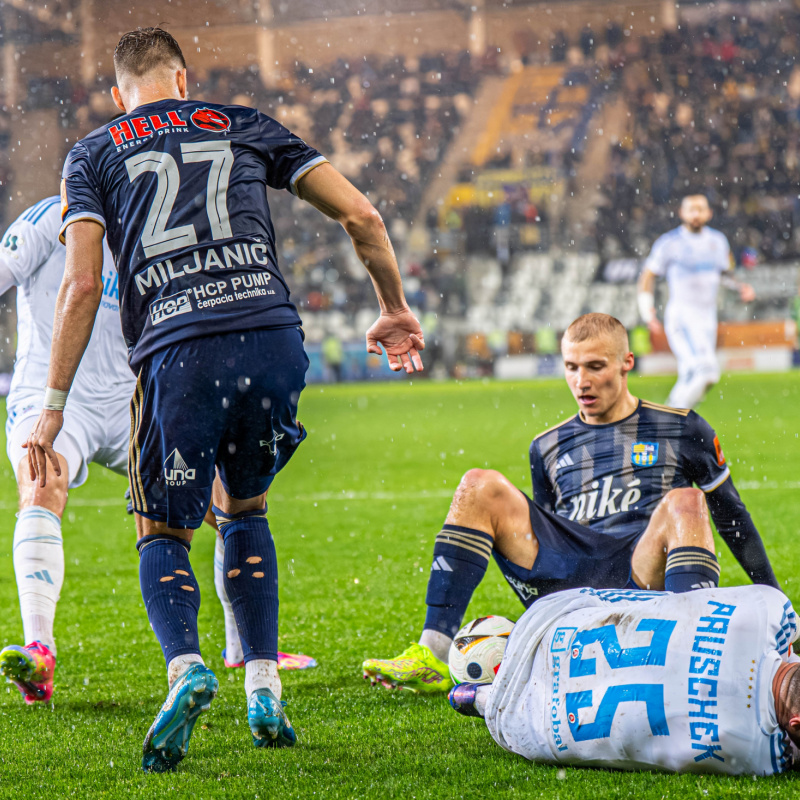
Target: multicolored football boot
30, 669
167, 740
268, 721
462, 698
285, 661
295, 661
416, 669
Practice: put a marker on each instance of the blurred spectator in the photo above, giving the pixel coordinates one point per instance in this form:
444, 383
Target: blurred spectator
333, 356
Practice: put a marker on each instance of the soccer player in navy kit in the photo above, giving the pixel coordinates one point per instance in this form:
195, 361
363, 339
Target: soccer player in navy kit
180, 188
613, 506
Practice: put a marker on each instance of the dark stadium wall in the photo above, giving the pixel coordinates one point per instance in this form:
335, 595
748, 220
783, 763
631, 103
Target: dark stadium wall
224, 38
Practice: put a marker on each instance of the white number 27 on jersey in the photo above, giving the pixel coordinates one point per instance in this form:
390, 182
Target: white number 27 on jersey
156, 237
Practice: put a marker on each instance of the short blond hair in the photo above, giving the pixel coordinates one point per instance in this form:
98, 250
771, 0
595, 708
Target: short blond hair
597, 326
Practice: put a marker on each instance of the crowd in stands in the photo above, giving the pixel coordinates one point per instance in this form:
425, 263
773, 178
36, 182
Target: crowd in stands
716, 110
385, 123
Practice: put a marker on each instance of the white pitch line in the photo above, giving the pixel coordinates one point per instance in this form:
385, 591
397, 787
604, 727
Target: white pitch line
326, 497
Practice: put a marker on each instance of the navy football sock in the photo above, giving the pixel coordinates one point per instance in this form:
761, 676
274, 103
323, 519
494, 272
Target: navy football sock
460, 558
691, 568
170, 592
251, 581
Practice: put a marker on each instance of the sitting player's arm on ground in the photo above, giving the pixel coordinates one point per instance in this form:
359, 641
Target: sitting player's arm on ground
544, 494
705, 464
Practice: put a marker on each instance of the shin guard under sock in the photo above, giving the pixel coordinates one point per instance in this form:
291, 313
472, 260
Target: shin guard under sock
39, 568
251, 581
690, 568
460, 558
170, 592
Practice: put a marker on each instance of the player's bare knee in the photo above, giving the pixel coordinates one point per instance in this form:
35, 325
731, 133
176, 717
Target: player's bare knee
686, 501
486, 486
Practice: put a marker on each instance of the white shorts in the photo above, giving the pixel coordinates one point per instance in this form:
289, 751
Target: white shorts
90, 434
693, 341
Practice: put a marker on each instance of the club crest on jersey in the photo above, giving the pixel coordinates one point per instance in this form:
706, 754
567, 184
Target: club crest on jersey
210, 120
644, 454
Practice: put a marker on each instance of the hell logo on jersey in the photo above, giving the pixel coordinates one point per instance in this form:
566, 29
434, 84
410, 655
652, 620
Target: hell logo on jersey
210, 120
644, 454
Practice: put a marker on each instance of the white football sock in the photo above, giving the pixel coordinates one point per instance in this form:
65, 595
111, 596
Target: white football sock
233, 645
180, 664
438, 643
39, 568
261, 673
482, 698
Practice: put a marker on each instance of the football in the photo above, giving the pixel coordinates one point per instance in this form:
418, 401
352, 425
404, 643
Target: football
478, 648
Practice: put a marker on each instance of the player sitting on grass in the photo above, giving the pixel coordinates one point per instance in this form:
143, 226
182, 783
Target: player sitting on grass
699, 682
613, 506
96, 429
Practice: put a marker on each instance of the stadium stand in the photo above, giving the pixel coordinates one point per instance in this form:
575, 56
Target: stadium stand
510, 207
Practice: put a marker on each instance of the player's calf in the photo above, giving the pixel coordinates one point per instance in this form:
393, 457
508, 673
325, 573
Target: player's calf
676, 552
487, 512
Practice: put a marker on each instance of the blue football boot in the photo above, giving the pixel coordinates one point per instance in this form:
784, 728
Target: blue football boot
167, 740
268, 721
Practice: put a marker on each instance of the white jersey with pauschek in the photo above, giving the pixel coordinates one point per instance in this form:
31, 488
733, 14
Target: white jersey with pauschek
647, 680
31, 251
692, 264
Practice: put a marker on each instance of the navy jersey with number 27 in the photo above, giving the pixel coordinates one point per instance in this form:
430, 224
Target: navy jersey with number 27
181, 189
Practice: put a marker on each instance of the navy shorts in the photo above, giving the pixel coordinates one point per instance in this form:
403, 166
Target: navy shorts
224, 403
570, 556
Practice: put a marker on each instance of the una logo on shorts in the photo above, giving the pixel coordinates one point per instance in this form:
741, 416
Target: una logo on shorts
176, 470
168, 307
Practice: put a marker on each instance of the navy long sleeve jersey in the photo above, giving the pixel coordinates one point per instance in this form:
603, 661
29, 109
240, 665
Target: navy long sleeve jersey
611, 477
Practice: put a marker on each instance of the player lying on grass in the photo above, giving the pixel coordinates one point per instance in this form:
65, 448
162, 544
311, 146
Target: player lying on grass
699, 682
613, 506
96, 428
181, 189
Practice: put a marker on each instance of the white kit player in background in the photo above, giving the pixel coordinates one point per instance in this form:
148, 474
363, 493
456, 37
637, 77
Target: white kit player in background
694, 259
704, 681
96, 428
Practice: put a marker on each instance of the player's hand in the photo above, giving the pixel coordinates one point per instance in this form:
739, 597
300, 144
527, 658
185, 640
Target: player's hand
747, 293
655, 327
40, 445
401, 335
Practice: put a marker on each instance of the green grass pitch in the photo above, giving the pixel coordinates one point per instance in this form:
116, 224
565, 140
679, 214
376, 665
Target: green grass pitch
354, 518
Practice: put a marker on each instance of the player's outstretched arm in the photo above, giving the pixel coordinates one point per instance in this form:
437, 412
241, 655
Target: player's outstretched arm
76, 307
737, 529
397, 329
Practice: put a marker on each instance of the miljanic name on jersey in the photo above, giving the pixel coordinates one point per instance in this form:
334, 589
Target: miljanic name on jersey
233, 256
